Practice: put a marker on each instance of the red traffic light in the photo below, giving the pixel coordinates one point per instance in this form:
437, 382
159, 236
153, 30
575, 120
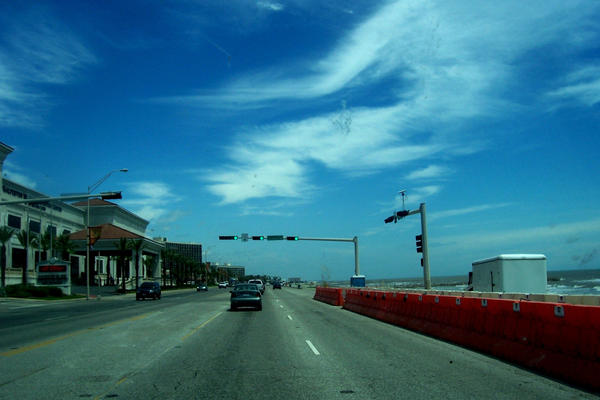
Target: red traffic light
419, 239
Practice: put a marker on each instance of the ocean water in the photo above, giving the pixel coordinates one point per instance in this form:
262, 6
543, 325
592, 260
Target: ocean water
568, 282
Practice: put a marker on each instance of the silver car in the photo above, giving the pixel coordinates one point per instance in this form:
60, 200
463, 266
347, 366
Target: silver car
246, 295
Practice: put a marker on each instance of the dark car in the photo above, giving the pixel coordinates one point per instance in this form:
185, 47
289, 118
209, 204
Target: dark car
246, 295
201, 287
148, 290
276, 285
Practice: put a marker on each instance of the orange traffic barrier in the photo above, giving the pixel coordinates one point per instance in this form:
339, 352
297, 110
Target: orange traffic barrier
561, 340
331, 296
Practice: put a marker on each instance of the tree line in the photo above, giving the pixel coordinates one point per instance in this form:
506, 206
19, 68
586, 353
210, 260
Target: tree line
183, 270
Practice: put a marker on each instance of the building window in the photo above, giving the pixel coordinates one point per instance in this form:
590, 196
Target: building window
100, 266
34, 226
18, 258
66, 232
14, 221
74, 267
52, 230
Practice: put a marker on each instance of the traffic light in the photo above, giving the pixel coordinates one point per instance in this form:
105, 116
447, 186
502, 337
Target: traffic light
292, 237
390, 219
111, 195
402, 214
258, 238
234, 237
419, 243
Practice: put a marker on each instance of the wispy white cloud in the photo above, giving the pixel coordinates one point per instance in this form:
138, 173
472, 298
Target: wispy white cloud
36, 50
440, 66
430, 172
152, 201
581, 86
270, 5
17, 174
525, 236
468, 210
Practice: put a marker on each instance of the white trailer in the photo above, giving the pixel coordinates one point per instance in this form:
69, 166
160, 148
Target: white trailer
515, 273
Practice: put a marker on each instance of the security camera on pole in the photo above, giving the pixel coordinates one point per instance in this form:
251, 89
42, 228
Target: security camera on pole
421, 240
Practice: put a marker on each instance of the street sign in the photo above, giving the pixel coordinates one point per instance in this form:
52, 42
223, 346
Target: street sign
275, 237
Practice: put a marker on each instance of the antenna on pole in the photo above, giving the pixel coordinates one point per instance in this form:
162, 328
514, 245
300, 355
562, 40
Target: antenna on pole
403, 193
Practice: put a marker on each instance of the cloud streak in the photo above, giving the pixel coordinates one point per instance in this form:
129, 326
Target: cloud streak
581, 86
441, 68
36, 51
152, 201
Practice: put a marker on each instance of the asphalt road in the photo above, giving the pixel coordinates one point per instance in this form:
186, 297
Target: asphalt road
190, 346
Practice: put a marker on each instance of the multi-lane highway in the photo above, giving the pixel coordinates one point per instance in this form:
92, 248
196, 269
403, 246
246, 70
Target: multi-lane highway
190, 346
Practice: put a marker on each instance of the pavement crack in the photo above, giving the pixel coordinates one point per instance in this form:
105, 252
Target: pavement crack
23, 376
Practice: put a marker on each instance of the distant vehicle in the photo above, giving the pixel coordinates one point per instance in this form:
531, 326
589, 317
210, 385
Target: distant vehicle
259, 283
201, 287
222, 285
246, 295
148, 290
276, 285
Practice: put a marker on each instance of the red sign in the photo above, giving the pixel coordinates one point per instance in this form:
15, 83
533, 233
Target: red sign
53, 268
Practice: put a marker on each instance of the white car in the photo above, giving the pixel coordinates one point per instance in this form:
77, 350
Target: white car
259, 283
222, 285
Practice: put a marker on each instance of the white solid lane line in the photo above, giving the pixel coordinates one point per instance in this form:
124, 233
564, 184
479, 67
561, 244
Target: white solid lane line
280, 306
312, 347
290, 317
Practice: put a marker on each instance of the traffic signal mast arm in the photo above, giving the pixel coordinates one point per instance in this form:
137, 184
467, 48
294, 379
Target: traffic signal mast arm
399, 215
296, 238
421, 239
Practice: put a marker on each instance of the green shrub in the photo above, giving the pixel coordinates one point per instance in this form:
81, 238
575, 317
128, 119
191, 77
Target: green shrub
33, 291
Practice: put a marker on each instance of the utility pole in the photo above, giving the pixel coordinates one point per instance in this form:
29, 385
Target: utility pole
426, 276
422, 246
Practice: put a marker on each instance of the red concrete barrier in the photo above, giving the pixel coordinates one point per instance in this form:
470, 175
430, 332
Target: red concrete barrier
331, 296
561, 340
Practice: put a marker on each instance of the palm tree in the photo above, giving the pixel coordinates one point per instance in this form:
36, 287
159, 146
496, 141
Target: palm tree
136, 245
27, 240
148, 264
169, 259
5, 234
46, 242
65, 246
163, 269
123, 249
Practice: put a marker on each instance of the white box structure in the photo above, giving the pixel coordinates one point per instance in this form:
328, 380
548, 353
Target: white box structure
515, 273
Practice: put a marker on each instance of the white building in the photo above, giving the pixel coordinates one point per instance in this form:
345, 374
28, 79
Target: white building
109, 223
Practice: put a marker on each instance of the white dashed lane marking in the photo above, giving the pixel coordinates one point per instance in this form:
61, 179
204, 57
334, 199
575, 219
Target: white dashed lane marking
312, 347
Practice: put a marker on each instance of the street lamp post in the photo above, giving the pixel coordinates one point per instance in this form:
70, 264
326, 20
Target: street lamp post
87, 257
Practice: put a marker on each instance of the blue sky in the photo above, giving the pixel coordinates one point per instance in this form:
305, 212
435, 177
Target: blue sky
304, 118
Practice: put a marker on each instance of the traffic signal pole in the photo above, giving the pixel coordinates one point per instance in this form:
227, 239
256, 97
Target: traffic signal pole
354, 240
296, 238
425, 246
426, 276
